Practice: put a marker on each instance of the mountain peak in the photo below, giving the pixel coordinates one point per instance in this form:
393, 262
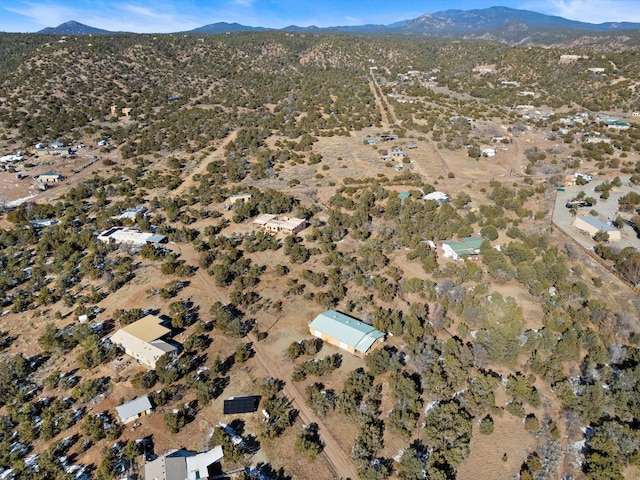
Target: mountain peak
73, 28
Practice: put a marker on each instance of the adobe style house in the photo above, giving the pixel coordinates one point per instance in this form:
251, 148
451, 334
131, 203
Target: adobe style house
280, 223
345, 332
142, 340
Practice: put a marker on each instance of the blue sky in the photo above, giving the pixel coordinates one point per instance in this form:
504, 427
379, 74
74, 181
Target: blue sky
161, 16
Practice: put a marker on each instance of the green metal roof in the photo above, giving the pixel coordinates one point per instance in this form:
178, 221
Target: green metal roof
466, 246
404, 195
346, 329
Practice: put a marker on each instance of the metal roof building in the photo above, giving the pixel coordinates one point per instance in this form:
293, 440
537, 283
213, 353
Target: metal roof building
592, 225
465, 246
345, 332
134, 409
142, 340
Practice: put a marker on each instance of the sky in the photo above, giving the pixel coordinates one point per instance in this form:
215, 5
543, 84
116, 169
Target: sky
164, 16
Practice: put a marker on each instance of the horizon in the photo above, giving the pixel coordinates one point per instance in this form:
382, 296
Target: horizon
168, 16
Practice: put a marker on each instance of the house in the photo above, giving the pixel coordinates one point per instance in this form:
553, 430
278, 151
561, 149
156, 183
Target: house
488, 152
439, 197
50, 177
128, 236
463, 247
238, 197
591, 225
598, 139
131, 213
56, 144
142, 340
345, 332
40, 152
183, 465
618, 125
277, 223
388, 137
131, 411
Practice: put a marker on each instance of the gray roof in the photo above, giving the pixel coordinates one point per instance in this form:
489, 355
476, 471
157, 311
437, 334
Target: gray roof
599, 224
346, 329
156, 238
182, 465
133, 408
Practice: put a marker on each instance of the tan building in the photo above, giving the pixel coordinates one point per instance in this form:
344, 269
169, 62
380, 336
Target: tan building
238, 197
142, 340
592, 225
277, 223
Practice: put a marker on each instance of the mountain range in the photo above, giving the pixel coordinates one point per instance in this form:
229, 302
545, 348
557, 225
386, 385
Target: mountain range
494, 23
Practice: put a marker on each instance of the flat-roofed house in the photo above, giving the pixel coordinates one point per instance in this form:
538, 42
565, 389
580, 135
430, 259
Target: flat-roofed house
280, 223
134, 409
345, 332
592, 225
129, 236
142, 340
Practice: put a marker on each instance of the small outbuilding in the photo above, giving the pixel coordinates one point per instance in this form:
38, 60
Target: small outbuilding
345, 332
131, 411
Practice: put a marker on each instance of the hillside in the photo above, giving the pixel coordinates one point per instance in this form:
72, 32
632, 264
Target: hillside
517, 359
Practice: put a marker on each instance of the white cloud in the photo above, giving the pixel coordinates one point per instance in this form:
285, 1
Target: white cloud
591, 11
244, 3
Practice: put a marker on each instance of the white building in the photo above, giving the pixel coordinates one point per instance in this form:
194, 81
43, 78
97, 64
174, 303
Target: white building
128, 236
439, 197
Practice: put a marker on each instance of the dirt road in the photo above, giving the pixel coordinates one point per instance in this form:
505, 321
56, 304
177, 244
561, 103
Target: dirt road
337, 458
202, 166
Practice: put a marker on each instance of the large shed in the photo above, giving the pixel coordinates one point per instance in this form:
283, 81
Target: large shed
345, 332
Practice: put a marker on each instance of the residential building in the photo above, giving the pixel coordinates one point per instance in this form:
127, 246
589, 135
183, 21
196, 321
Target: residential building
592, 225
183, 465
50, 177
129, 236
238, 197
439, 197
40, 152
488, 152
280, 223
131, 411
464, 247
142, 340
345, 332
